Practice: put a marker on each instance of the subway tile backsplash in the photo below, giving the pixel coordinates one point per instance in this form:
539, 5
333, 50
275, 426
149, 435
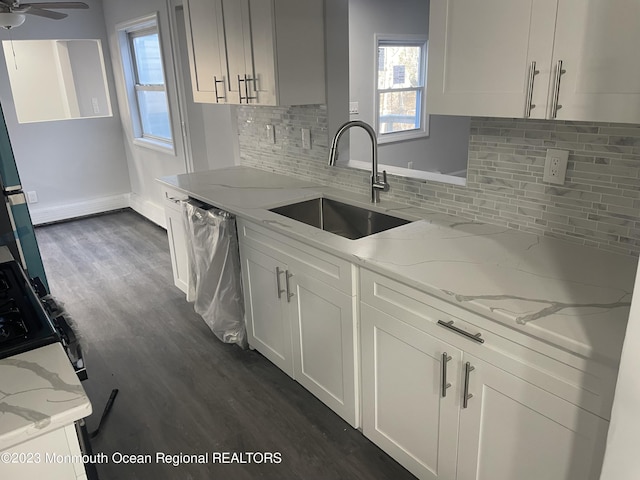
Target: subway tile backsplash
599, 205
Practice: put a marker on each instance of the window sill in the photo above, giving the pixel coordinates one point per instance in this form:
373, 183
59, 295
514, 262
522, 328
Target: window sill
162, 147
402, 136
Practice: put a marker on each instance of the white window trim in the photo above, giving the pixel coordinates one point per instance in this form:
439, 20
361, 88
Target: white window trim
421, 132
127, 67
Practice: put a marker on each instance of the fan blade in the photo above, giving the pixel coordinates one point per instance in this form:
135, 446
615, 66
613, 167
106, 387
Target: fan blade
45, 13
57, 5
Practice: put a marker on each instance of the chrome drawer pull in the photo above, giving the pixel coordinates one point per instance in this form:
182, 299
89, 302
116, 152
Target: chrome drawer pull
466, 396
445, 359
476, 338
280, 290
175, 200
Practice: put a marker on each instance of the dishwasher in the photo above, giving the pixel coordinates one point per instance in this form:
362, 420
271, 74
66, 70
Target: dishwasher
215, 285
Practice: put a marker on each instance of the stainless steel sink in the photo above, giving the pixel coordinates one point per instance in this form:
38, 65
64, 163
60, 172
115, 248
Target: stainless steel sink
340, 218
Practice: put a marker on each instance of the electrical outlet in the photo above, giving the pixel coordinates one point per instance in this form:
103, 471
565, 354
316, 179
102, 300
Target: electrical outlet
270, 133
95, 105
555, 166
409, 165
306, 139
354, 108
32, 197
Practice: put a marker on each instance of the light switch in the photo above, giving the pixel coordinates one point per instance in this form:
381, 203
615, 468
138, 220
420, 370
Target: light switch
270, 133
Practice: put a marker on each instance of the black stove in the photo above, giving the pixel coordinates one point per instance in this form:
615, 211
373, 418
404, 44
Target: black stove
24, 323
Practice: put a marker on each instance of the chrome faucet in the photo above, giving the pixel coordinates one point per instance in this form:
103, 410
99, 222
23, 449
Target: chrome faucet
376, 184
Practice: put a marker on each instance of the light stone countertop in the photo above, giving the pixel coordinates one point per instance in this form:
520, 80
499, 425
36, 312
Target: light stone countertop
39, 392
570, 296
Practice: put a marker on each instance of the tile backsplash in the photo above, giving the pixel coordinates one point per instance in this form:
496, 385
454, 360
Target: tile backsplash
599, 205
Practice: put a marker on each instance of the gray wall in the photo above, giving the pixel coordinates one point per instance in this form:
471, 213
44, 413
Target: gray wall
445, 150
145, 165
70, 161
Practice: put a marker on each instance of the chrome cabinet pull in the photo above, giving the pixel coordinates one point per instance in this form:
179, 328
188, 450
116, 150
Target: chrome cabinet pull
556, 90
289, 294
215, 86
280, 290
247, 79
445, 359
240, 80
528, 103
174, 200
466, 396
476, 338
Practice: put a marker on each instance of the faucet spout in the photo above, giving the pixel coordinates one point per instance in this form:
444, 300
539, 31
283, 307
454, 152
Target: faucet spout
376, 183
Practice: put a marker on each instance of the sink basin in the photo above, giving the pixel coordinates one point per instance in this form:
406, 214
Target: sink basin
340, 218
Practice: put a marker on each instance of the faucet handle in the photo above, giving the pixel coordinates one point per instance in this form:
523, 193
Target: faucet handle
384, 181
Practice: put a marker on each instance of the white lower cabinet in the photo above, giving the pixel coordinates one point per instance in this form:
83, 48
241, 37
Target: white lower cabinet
49, 456
177, 238
268, 325
511, 429
493, 424
299, 310
404, 410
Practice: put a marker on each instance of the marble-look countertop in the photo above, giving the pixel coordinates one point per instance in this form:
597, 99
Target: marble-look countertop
39, 392
571, 296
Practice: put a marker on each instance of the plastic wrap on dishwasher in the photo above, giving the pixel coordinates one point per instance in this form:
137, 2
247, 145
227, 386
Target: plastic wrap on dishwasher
215, 284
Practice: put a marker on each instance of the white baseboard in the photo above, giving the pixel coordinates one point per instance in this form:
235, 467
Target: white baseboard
77, 209
148, 209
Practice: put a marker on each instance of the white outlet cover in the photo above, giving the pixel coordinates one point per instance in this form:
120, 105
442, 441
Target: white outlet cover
354, 108
555, 166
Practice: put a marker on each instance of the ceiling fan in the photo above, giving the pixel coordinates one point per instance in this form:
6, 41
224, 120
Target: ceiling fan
13, 13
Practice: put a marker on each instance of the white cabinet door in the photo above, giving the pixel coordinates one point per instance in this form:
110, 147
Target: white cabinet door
205, 42
404, 412
597, 42
177, 244
268, 325
323, 342
263, 52
481, 54
512, 429
237, 28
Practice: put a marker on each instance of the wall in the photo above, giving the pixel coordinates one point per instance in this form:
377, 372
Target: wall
75, 166
89, 78
145, 164
598, 206
446, 147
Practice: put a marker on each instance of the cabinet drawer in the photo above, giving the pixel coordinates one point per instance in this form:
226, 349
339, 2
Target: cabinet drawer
581, 381
320, 265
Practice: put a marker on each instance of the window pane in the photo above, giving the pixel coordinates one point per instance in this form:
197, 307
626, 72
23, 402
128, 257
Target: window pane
154, 114
399, 111
148, 60
399, 66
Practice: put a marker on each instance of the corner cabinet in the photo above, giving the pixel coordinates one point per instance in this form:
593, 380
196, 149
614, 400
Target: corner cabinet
299, 310
256, 52
176, 234
456, 401
543, 59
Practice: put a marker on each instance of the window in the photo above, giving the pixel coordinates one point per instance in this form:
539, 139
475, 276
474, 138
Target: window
145, 82
400, 85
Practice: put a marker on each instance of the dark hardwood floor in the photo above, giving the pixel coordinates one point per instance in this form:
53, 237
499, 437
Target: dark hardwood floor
182, 390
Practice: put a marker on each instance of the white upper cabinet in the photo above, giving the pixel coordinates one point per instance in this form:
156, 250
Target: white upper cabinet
205, 41
597, 42
271, 51
481, 56
500, 58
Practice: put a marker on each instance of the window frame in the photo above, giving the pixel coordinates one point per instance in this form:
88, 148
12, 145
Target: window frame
126, 32
402, 40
